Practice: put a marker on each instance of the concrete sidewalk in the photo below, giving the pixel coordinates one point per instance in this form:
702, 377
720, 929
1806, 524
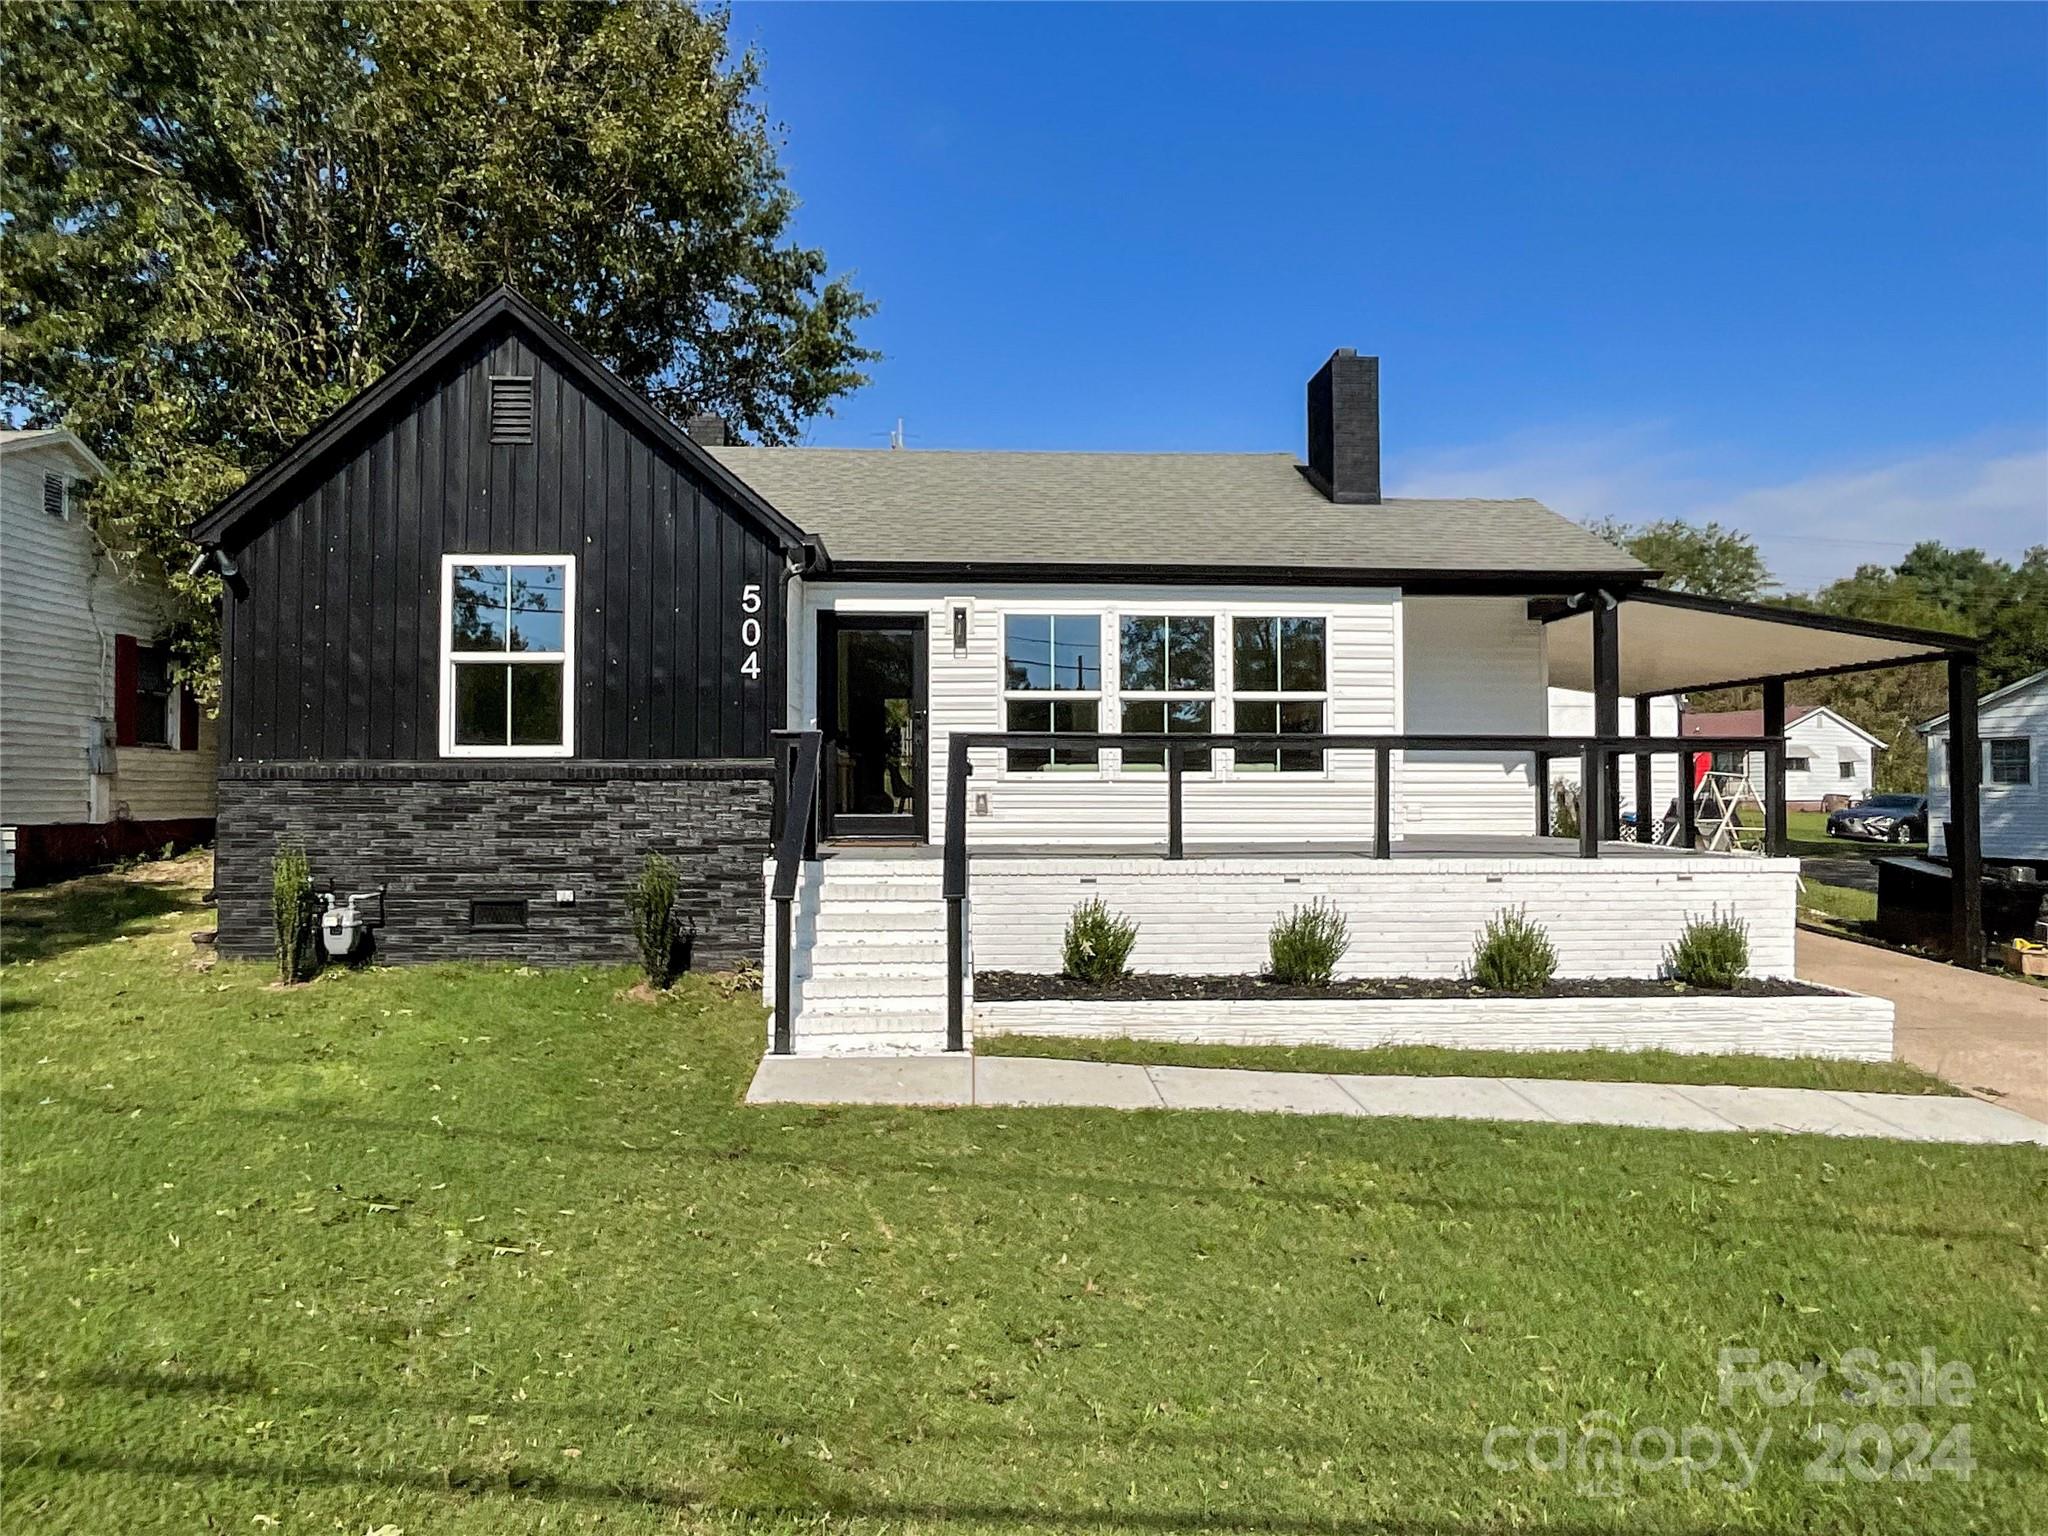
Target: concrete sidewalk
1033, 1082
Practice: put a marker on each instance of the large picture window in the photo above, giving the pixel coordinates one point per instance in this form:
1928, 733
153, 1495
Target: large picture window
508, 636
1279, 686
1052, 681
1168, 683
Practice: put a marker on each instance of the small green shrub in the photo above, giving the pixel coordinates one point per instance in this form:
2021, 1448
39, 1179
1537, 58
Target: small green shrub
1564, 810
294, 914
651, 903
1513, 953
1711, 952
1304, 947
1098, 944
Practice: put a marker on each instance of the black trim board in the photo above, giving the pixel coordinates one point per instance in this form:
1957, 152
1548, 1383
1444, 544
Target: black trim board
505, 308
1937, 641
1490, 583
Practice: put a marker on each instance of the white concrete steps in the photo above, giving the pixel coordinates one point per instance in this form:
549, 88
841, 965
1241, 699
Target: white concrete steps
868, 957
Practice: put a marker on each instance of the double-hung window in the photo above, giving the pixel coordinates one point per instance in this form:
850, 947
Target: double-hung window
1052, 681
1279, 686
1167, 684
508, 641
153, 690
2011, 760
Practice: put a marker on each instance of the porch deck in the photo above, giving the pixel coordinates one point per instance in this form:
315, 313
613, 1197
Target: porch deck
1429, 846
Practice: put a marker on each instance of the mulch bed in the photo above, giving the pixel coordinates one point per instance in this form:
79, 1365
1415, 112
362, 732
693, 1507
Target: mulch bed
1026, 987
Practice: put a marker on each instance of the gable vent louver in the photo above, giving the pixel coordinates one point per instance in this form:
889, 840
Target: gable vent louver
53, 495
511, 409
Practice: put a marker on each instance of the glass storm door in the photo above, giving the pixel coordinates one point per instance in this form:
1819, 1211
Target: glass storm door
871, 695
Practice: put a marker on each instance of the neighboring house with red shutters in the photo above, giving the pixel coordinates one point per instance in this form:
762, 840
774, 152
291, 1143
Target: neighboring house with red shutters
102, 752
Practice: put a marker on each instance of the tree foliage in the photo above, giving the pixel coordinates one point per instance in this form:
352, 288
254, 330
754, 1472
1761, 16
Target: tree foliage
1708, 559
224, 221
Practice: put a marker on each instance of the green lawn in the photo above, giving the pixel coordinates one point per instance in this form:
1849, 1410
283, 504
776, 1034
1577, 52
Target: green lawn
1806, 837
1840, 904
470, 1250
1434, 1061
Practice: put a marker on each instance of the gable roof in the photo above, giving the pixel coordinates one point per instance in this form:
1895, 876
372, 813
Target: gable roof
1997, 695
500, 311
52, 437
1750, 722
1162, 511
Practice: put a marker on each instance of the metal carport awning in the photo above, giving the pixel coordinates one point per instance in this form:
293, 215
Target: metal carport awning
1641, 642
1674, 642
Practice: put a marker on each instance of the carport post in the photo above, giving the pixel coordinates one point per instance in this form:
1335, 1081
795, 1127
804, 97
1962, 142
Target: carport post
1647, 821
1965, 836
1774, 767
1601, 796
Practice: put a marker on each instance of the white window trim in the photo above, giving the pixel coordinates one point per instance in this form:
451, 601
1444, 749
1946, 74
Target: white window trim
1098, 694
1280, 695
566, 657
1212, 696
2027, 744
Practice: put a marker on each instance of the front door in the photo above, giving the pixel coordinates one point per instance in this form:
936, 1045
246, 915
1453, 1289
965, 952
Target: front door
871, 708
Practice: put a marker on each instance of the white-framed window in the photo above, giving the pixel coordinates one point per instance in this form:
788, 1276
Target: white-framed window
2010, 760
1279, 684
1846, 770
1798, 764
1052, 681
1166, 681
508, 655
156, 698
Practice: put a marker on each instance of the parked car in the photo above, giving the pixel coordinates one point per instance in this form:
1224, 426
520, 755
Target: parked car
1882, 819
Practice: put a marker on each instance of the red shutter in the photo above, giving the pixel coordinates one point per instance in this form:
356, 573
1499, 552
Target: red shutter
127, 678
188, 720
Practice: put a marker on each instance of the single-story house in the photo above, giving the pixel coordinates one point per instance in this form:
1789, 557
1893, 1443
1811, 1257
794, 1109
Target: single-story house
103, 754
2013, 731
500, 627
1826, 753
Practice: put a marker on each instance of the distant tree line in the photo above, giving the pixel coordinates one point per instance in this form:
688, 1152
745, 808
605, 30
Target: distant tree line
1964, 591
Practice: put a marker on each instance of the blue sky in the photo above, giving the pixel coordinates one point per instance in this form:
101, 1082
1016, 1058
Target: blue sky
1784, 267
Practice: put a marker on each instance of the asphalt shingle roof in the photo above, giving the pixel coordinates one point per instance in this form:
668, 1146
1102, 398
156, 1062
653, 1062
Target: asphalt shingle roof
1185, 509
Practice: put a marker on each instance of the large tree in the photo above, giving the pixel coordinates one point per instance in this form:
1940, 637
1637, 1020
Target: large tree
225, 220
1704, 558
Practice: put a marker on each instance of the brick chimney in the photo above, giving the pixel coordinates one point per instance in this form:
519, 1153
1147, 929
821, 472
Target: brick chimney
708, 431
1344, 428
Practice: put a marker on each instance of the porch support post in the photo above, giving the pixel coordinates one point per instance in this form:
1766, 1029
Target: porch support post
1382, 803
1175, 763
1592, 791
1774, 767
1964, 834
953, 886
1602, 793
1688, 804
1541, 776
1647, 821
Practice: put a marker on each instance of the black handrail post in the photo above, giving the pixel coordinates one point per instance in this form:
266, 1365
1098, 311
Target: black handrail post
794, 840
1382, 803
954, 888
1592, 796
1774, 767
1174, 766
1541, 778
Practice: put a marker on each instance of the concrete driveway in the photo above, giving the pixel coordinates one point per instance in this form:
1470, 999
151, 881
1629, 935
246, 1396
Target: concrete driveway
1984, 1033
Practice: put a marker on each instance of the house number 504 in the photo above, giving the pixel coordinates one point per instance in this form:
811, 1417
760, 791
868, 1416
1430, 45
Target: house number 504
750, 629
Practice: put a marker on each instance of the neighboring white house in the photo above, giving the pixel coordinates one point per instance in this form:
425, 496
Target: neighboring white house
1825, 753
1571, 714
2012, 723
101, 753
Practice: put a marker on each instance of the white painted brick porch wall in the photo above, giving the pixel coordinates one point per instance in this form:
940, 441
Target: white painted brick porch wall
1409, 917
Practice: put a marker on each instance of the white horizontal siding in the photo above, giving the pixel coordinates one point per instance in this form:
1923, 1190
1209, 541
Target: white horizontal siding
1115, 805
61, 605
1571, 714
1469, 664
2013, 818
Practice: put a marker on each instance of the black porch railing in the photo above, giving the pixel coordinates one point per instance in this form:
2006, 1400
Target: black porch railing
797, 815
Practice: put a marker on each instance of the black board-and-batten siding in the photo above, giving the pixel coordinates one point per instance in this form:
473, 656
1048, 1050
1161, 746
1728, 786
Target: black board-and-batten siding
333, 642
332, 662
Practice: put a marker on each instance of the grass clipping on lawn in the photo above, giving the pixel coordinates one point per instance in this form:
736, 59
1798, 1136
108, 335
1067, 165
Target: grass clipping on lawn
454, 1249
